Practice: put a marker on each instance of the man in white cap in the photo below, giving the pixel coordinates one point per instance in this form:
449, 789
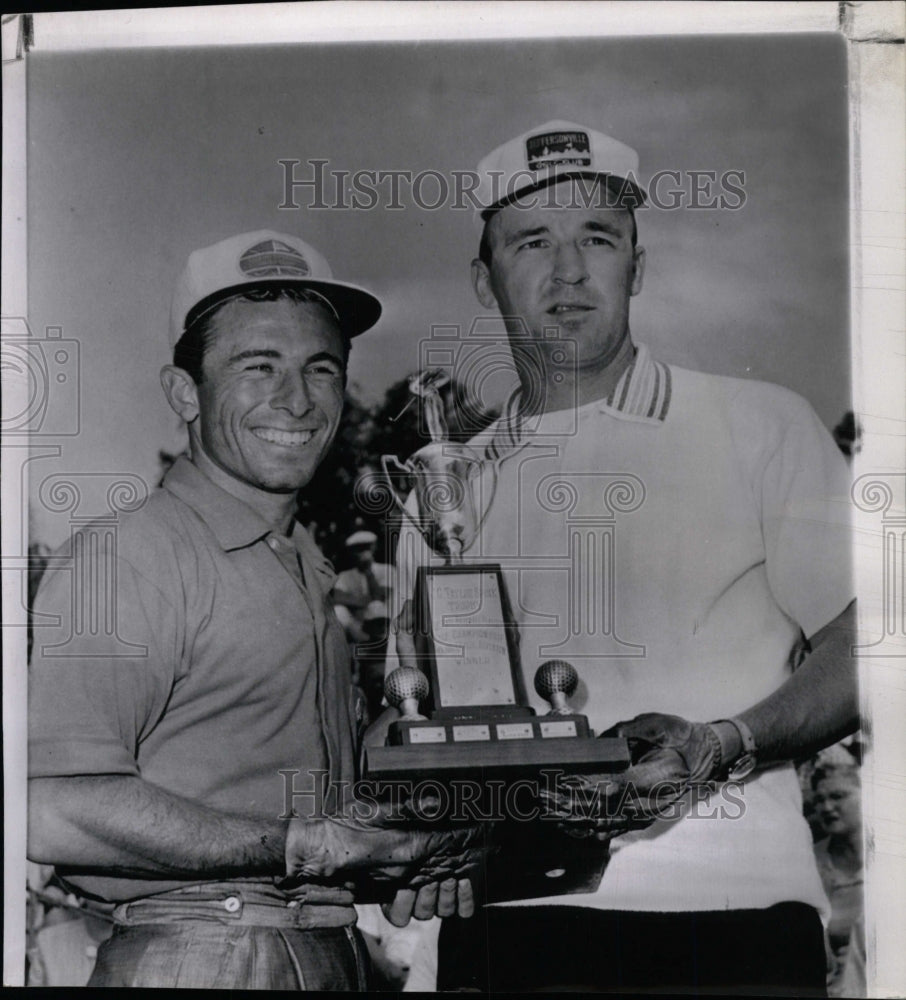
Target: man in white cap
361, 585
725, 501
192, 764
361, 597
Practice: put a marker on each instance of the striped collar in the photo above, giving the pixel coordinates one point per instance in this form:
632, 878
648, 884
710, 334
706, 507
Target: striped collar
642, 393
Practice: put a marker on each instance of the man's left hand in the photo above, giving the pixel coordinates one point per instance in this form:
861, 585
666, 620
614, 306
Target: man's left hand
668, 754
442, 885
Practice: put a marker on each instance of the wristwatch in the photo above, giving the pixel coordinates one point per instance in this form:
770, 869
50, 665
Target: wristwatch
747, 760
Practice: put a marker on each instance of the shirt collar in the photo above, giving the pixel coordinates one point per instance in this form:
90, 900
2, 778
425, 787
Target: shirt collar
643, 393
233, 522
644, 389
313, 557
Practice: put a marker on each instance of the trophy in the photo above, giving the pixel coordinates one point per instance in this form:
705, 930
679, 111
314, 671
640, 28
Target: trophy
465, 713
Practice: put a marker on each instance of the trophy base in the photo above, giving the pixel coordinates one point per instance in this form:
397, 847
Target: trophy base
491, 724
535, 860
481, 753
530, 860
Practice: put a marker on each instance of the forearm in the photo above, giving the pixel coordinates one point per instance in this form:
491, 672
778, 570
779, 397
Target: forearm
127, 826
818, 705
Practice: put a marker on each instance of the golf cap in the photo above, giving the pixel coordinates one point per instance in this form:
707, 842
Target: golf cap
359, 539
259, 260
551, 152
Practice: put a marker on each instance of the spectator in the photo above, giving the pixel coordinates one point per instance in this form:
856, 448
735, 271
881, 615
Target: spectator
837, 805
359, 586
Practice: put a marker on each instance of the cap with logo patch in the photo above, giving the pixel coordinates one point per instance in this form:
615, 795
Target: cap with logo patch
259, 260
545, 155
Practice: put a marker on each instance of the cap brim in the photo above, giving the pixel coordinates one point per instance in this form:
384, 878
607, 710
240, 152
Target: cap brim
356, 309
630, 195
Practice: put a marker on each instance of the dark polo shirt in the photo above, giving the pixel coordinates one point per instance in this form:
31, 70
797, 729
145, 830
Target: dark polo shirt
196, 649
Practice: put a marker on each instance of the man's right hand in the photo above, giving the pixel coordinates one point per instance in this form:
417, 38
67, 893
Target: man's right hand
429, 867
321, 848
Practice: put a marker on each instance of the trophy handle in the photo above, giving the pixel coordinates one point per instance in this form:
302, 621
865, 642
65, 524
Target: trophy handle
406, 468
493, 466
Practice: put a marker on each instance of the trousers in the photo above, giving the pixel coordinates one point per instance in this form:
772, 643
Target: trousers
778, 951
229, 939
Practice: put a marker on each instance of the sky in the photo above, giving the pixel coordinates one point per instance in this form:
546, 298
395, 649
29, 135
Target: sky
138, 157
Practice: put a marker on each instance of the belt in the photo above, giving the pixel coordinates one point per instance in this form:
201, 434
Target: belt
240, 905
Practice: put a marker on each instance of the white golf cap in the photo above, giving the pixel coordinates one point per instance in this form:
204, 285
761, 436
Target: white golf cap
553, 151
260, 259
361, 538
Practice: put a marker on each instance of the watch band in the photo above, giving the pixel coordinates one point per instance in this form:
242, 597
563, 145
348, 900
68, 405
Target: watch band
717, 753
745, 734
747, 760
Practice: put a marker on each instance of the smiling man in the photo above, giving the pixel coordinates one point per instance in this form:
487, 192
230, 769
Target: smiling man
168, 750
676, 535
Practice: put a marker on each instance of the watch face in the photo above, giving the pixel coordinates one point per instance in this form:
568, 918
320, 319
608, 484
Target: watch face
742, 767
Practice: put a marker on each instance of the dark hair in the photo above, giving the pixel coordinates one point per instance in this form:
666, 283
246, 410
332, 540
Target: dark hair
484, 247
188, 353
832, 769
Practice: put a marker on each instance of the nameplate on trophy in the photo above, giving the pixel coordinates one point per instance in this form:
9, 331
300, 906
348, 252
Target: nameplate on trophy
466, 639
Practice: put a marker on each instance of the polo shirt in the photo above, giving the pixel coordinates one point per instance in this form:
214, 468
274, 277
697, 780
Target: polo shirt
216, 661
673, 542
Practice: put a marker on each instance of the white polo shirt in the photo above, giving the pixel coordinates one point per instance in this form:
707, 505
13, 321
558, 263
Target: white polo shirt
671, 542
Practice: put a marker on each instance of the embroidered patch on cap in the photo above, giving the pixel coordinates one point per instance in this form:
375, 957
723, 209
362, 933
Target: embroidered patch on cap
552, 149
273, 259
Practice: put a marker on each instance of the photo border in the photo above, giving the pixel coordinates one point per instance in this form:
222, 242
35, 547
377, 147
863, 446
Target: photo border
874, 35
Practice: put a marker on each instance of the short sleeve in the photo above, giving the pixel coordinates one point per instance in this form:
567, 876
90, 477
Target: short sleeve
102, 668
806, 523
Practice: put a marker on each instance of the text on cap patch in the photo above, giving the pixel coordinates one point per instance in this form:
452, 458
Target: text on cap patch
558, 148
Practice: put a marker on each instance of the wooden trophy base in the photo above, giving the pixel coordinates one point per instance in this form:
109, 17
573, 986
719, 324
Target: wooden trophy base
533, 860
493, 741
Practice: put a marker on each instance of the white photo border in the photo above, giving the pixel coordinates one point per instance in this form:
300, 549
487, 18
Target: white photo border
877, 70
